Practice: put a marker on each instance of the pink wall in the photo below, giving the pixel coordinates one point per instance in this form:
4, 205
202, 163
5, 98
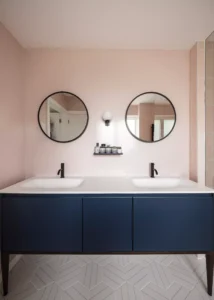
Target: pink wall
73, 103
210, 111
11, 110
197, 113
60, 99
193, 168
133, 110
146, 118
201, 111
107, 80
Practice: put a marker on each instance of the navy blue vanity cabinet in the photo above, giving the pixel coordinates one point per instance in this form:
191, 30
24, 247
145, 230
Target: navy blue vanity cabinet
173, 222
42, 223
107, 224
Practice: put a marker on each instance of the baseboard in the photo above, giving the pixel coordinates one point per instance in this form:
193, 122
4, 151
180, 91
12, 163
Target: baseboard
12, 263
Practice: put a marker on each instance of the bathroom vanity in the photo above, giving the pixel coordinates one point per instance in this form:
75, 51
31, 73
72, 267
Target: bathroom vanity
107, 216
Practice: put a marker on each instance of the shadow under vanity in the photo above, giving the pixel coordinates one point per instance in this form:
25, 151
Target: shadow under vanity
101, 215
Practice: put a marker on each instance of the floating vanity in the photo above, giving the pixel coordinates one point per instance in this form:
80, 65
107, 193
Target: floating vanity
103, 215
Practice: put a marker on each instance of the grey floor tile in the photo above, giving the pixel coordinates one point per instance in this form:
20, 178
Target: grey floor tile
108, 277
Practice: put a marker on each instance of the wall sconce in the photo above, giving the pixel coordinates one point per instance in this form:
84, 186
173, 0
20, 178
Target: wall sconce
107, 117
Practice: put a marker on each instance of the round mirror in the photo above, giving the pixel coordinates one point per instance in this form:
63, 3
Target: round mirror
63, 117
150, 117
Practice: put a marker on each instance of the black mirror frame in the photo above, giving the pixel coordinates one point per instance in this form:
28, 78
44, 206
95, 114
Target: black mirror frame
127, 114
75, 137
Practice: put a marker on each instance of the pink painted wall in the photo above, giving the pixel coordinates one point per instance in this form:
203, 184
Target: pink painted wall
193, 168
133, 110
107, 80
146, 119
60, 99
201, 111
197, 113
73, 103
210, 111
11, 110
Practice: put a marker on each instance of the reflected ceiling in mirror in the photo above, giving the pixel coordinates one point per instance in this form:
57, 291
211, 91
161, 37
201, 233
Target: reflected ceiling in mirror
150, 117
63, 117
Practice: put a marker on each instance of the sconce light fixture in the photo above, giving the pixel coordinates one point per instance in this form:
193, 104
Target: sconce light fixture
107, 117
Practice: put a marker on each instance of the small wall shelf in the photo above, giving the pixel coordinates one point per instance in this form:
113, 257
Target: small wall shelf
109, 154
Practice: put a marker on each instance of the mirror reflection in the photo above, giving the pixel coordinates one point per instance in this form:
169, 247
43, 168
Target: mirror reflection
63, 117
150, 117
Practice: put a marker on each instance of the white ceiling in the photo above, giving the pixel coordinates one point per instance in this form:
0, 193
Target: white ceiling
151, 98
108, 24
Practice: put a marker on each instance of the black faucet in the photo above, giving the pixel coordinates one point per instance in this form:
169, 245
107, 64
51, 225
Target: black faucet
153, 171
62, 171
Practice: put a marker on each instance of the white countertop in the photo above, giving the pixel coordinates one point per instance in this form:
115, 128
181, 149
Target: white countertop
103, 185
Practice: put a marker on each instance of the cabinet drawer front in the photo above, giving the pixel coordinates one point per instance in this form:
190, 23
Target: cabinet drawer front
42, 223
173, 223
107, 224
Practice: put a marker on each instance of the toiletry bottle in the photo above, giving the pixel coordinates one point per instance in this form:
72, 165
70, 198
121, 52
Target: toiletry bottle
119, 150
97, 148
108, 149
114, 150
102, 149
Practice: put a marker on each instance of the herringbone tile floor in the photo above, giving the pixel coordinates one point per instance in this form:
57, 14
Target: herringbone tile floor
106, 277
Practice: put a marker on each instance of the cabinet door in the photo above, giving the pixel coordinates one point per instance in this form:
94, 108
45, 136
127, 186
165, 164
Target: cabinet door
107, 224
42, 223
173, 223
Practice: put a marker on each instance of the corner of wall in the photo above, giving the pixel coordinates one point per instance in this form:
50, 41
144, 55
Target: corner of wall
11, 108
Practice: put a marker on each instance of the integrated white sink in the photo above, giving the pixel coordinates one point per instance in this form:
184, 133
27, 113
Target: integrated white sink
105, 185
52, 183
157, 182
